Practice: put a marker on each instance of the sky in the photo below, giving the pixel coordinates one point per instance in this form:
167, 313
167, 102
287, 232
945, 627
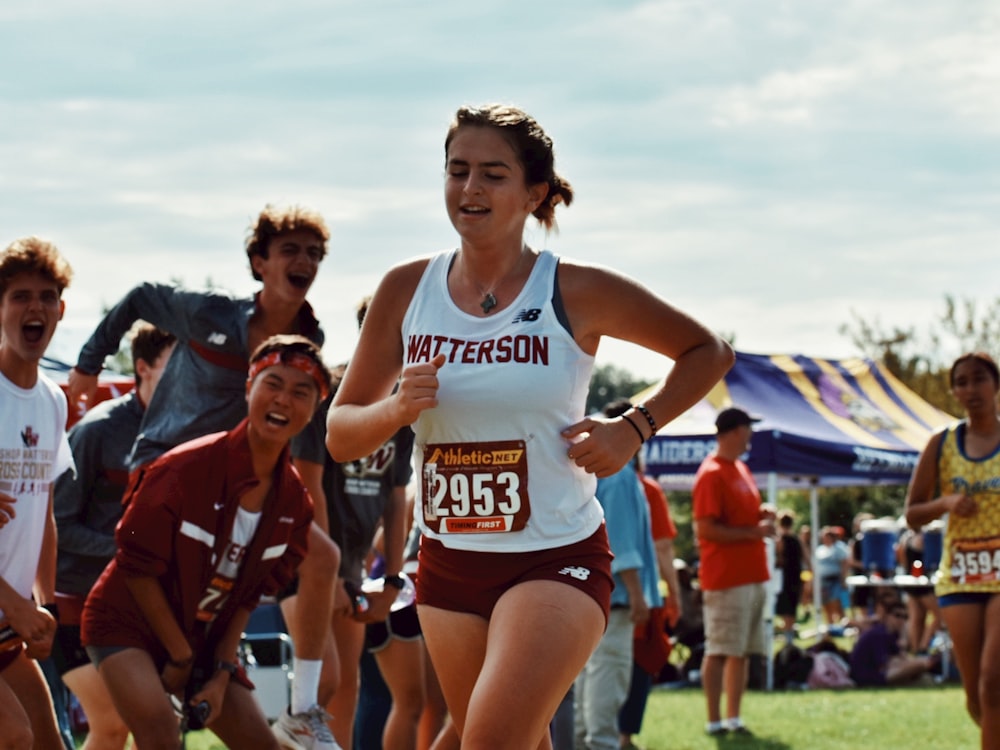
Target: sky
772, 168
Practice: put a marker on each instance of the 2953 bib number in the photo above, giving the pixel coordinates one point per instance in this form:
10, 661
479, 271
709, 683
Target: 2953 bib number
475, 488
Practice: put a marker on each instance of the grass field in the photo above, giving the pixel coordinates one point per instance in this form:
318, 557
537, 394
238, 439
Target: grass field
915, 718
931, 718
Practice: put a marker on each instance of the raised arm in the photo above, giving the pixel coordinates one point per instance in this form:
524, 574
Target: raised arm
164, 305
601, 302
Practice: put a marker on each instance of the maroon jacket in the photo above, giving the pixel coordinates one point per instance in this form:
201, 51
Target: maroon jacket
179, 512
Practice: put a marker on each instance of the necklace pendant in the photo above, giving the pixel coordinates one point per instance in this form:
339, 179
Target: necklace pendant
488, 303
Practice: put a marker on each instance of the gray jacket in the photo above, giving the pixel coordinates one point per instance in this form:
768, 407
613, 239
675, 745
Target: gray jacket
203, 388
88, 502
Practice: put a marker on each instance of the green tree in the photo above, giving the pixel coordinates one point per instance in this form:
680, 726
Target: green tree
610, 382
922, 360
972, 326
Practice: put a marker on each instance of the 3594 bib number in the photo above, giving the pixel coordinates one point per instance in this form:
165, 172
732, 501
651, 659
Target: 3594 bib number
975, 562
475, 488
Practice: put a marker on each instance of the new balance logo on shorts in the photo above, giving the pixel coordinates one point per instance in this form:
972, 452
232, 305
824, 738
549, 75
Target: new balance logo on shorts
528, 315
580, 574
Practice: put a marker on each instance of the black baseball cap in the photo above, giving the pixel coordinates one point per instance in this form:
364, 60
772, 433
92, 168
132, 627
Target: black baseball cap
732, 418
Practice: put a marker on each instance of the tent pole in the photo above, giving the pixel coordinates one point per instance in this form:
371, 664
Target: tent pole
813, 543
772, 589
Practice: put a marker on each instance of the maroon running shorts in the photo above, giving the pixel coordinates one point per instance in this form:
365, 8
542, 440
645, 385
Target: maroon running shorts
464, 581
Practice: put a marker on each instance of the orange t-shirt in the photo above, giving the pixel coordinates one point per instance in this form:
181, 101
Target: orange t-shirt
725, 490
659, 512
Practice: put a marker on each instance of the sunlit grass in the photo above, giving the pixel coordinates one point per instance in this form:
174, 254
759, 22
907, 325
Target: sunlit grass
927, 718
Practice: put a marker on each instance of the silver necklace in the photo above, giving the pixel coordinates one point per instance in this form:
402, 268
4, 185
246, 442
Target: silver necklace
489, 300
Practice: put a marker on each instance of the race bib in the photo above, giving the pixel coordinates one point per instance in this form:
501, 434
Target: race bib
975, 561
214, 598
476, 488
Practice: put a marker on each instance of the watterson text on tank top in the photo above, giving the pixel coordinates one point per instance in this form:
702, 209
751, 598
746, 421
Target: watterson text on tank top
522, 349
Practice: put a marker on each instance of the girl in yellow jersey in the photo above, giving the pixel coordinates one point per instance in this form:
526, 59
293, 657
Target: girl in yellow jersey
958, 475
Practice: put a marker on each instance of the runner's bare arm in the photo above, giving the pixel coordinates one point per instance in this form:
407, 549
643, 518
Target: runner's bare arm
600, 302
366, 411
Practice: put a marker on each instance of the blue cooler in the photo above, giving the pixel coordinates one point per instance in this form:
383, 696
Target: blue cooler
933, 546
878, 546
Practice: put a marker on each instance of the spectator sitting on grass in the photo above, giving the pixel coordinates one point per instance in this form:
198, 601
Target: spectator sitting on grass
878, 659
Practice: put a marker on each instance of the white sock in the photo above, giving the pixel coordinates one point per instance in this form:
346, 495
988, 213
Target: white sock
734, 722
305, 684
713, 726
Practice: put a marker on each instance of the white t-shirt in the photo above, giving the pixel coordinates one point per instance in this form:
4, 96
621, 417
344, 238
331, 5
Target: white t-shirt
828, 559
34, 452
227, 570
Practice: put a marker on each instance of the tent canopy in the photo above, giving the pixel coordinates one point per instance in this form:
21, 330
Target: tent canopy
823, 421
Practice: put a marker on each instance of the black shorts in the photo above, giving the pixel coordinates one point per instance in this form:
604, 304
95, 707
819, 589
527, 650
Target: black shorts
787, 603
289, 591
402, 624
861, 597
67, 651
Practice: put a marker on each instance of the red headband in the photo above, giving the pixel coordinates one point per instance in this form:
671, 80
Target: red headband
298, 361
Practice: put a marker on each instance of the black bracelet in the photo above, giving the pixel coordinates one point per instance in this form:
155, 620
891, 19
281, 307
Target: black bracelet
649, 418
636, 428
227, 666
53, 609
396, 581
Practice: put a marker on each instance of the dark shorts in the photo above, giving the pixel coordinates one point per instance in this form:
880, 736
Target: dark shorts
204, 666
787, 603
67, 651
965, 597
9, 656
861, 596
97, 654
289, 591
831, 589
401, 624
463, 581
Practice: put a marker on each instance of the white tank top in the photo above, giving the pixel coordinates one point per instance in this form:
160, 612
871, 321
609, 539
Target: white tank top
493, 474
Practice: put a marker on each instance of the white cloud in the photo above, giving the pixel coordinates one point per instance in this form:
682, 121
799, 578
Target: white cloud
784, 97
768, 172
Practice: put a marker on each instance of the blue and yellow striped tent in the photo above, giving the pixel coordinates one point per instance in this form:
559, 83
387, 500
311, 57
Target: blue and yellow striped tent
824, 421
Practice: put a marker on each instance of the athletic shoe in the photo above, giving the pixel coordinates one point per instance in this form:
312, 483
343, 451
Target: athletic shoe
305, 731
741, 731
717, 732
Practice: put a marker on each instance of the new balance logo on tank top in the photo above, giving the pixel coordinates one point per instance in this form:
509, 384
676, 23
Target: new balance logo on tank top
971, 556
492, 466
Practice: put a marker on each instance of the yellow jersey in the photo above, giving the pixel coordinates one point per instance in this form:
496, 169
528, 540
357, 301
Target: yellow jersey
971, 556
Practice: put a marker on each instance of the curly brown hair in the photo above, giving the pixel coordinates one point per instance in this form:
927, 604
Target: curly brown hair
34, 255
275, 220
